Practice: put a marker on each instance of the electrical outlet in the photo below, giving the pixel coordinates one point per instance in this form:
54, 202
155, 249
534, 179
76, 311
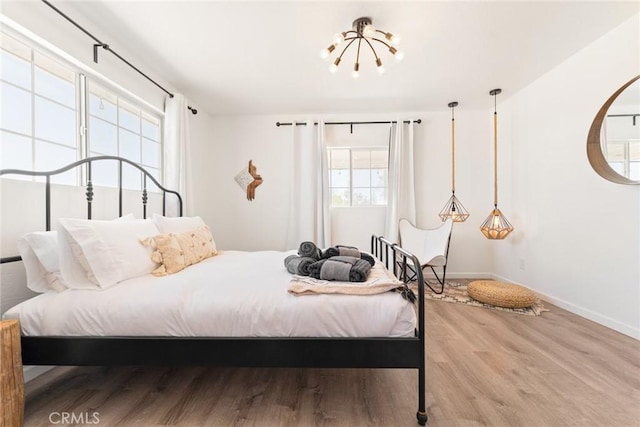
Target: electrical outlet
521, 263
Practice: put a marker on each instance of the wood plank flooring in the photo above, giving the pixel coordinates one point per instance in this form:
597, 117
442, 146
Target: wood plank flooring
484, 368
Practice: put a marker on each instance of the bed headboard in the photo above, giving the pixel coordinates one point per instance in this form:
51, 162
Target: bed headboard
87, 163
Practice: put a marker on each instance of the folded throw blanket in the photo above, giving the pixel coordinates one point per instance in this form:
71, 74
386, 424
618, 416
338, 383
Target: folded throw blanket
380, 280
341, 268
347, 251
298, 265
309, 249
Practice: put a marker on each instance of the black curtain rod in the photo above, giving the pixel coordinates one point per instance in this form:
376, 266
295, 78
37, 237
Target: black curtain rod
633, 116
107, 48
418, 121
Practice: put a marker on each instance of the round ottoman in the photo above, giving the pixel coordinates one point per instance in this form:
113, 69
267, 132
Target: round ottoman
501, 294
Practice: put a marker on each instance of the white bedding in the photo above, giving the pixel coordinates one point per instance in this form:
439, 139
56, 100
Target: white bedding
232, 294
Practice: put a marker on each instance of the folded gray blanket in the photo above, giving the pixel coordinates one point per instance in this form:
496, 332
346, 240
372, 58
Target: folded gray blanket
341, 268
347, 251
298, 265
309, 249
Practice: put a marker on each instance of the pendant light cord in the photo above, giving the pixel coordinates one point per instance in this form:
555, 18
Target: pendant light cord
453, 153
495, 152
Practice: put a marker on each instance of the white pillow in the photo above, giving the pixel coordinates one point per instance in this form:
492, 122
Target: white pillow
179, 224
99, 254
39, 252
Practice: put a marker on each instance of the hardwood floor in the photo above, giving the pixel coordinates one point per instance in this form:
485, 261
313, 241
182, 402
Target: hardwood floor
485, 367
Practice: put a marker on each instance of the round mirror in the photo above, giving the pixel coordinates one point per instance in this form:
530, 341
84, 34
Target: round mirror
613, 144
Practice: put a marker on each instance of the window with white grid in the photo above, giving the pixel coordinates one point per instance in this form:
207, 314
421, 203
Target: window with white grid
358, 176
39, 120
44, 103
117, 127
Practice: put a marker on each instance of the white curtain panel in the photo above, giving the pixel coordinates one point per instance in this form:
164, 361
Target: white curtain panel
177, 155
309, 215
401, 201
323, 194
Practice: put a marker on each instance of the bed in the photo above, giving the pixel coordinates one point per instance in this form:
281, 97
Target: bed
244, 318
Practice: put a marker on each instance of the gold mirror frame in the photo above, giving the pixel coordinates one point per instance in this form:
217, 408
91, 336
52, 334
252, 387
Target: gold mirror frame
594, 147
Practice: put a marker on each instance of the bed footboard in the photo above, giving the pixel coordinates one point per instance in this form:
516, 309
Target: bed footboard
398, 260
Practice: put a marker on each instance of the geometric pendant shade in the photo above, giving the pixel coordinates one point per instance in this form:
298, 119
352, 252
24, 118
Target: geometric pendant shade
453, 208
496, 226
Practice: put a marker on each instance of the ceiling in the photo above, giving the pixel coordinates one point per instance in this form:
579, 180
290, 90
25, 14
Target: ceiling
237, 57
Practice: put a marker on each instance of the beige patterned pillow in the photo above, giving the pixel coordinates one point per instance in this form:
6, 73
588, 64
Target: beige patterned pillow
176, 251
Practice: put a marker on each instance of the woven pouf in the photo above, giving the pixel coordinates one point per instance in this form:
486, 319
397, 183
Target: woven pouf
501, 294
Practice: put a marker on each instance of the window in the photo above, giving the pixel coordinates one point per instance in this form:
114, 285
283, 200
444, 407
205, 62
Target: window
624, 157
117, 127
43, 112
39, 118
358, 176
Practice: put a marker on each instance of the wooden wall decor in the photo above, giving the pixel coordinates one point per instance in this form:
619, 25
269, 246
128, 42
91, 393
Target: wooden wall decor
594, 144
248, 179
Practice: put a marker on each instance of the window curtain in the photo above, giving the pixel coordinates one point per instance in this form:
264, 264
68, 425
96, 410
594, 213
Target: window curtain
401, 201
309, 213
177, 155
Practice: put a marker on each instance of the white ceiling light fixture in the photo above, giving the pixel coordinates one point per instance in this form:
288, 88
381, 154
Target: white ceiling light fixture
363, 32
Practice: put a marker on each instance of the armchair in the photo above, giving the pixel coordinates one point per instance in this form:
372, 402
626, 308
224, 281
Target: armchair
430, 246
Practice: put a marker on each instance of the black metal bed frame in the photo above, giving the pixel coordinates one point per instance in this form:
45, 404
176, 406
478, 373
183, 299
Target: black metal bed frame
383, 352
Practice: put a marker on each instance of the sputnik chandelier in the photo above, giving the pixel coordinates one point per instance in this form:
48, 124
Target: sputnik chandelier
363, 32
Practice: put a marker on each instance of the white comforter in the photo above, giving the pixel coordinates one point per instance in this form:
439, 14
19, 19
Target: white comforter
232, 294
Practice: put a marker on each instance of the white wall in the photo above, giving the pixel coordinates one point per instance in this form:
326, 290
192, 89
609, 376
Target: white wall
577, 236
469, 252
262, 223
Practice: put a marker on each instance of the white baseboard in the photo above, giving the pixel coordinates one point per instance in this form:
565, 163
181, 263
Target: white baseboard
616, 325
33, 371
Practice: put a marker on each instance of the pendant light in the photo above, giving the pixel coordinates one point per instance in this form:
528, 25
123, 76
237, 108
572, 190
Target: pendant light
453, 208
496, 226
